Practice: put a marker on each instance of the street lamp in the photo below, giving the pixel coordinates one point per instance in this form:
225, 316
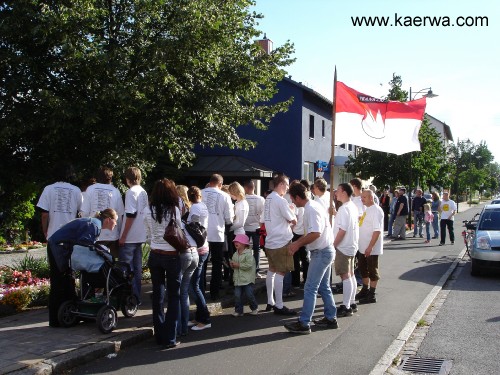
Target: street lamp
429, 94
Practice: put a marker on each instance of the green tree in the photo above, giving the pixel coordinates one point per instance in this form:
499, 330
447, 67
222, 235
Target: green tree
128, 82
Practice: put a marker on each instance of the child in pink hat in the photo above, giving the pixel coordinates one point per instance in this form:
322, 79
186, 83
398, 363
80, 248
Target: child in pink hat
243, 264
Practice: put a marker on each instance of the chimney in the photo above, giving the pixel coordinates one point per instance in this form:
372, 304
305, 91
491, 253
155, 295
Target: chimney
266, 44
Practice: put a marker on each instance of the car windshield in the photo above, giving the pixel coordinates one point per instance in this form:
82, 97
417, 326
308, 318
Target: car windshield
490, 220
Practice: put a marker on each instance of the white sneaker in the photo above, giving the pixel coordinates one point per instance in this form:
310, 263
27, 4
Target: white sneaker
201, 327
237, 315
254, 312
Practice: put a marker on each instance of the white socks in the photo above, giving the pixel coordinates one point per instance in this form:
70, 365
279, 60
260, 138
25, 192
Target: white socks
278, 290
348, 289
270, 287
354, 289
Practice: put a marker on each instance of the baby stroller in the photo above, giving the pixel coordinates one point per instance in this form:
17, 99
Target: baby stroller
105, 287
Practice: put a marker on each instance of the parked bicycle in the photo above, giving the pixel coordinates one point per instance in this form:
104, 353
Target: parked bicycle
469, 232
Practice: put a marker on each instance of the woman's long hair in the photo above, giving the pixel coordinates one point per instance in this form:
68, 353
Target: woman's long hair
163, 199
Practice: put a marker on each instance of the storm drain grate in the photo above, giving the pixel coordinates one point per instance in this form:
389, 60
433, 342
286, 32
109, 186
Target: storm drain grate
426, 365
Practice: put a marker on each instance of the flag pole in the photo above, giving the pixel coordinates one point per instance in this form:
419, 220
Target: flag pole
332, 157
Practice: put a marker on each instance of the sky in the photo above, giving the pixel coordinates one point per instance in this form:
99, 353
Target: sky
460, 64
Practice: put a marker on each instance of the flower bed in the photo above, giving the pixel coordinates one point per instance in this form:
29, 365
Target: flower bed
20, 248
19, 290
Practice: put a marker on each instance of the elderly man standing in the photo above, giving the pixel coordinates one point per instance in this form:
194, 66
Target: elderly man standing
219, 215
346, 231
418, 213
401, 213
278, 217
371, 227
318, 241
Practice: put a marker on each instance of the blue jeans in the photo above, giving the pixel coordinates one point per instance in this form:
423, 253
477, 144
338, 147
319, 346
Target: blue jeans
165, 268
202, 314
238, 301
418, 221
189, 262
287, 283
131, 253
428, 231
255, 237
391, 222
435, 224
318, 280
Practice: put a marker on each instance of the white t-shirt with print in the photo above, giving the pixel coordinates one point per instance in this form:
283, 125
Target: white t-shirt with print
98, 197
347, 220
447, 208
316, 220
277, 214
136, 202
62, 201
255, 209
220, 212
371, 221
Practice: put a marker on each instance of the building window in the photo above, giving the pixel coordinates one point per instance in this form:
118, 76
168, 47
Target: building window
311, 126
342, 146
350, 147
323, 128
344, 176
308, 171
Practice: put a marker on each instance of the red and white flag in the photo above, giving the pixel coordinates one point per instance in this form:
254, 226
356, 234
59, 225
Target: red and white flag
387, 126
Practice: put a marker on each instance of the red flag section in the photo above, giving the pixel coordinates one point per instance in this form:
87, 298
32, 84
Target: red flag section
376, 124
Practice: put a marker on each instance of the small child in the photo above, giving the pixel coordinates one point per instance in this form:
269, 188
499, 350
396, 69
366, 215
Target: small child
428, 218
243, 264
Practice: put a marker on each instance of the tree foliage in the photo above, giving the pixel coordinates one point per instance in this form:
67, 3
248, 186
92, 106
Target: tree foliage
128, 82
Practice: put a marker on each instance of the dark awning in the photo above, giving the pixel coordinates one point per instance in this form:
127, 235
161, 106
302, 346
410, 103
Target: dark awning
228, 165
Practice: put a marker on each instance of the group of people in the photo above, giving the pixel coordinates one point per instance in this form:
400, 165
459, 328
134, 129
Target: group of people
303, 233
435, 212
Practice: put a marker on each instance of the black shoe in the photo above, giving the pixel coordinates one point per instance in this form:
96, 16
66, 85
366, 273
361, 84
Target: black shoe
362, 294
343, 311
370, 298
452, 242
354, 307
337, 288
414, 235
399, 239
269, 307
327, 323
284, 311
441, 244
297, 327
289, 294
421, 236
435, 237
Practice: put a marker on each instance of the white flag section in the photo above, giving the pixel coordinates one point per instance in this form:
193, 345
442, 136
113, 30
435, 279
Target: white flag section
387, 126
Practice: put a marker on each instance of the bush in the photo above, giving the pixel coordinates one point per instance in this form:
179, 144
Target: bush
19, 299
40, 295
39, 267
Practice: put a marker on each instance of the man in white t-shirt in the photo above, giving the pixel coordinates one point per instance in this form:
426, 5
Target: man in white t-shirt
133, 234
357, 189
59, 204
278, 218
371, 227
252, 223
448, 209
220, 214
346, 232
100, 196
319, 243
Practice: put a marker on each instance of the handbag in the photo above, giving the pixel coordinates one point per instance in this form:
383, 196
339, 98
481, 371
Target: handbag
197, 232
175, 236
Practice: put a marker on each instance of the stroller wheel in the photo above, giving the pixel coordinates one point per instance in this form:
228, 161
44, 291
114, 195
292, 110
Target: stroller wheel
106, 319
129, 306
67, 314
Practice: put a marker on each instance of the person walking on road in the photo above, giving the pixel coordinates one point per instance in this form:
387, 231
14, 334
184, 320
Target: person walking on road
399, 231
278, 217
318, 241
448, 209
346, 232
371, 227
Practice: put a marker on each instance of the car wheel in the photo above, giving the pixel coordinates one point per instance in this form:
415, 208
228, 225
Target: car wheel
475, 270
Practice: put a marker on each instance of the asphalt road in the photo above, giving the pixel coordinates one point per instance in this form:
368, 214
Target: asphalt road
467, 327
250, 345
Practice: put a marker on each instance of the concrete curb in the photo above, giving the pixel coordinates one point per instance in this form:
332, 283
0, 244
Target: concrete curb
397, 345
